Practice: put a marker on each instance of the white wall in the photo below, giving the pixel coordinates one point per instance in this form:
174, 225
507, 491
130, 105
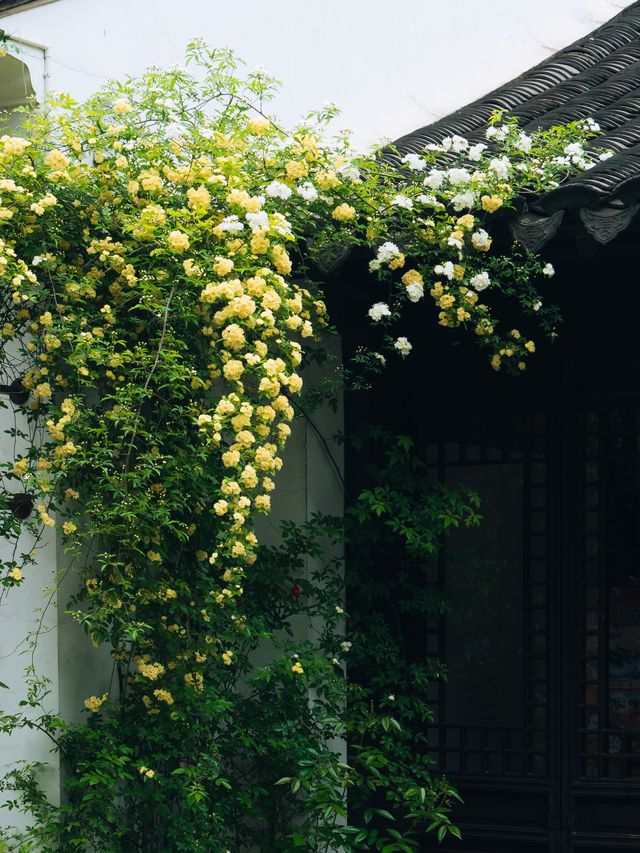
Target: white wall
393, 67
28, 631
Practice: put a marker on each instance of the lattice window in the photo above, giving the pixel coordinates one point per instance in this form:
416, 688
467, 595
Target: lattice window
609, 597
491, 716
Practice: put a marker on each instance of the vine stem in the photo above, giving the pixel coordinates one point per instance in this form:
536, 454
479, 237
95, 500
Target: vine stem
322, 440
163, 334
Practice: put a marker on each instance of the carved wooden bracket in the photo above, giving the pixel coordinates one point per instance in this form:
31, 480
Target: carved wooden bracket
533, 230
605, 223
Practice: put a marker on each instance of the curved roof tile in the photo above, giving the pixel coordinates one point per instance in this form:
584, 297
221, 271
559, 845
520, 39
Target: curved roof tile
597, 76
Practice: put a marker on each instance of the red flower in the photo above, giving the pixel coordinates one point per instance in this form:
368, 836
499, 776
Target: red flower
295, 591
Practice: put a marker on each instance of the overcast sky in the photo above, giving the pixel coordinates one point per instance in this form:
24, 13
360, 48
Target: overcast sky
392, 66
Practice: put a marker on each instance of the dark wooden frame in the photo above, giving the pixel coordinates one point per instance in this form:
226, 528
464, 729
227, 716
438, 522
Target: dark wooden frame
562, 813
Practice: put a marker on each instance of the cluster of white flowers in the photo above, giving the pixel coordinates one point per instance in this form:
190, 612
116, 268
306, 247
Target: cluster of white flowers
499, 132
403, 346
414, 162
378, 311
459, 188
464, 201
574, 149
501, 166
276, 189
456, 144
387, 252
428, 198
446, 269
574, 154
415, 291
458, 176
348, 170
174, 131
480, 240
231, 223
434, 179
402, 201
258, 221
480, 281
307, 191
476, 151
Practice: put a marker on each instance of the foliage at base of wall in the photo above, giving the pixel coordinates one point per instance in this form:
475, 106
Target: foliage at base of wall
272, 776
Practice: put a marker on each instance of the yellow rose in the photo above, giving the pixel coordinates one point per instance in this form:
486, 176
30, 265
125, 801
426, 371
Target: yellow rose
220, 507
223, 266
122, 106
230, 458
178, 241
42, 390
296, 169
281, 260
233, 370
56, 160
259, 244
94, 703
163, 696
233, 337
21, 467
327, 180
199, 199
262, 503
344, 212
490, 203
295, 383
446, 301
412, 277
258, 125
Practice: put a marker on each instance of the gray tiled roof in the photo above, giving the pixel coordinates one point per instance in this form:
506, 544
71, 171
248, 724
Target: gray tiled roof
9, 6
597, 76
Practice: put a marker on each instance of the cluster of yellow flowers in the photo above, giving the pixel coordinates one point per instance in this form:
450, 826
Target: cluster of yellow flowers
152, 671
146, 772
150, 274
94, 703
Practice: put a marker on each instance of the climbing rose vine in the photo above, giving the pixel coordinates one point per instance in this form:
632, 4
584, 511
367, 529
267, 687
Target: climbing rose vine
155, 248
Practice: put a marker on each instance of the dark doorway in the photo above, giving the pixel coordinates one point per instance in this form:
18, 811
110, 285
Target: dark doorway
539, 723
